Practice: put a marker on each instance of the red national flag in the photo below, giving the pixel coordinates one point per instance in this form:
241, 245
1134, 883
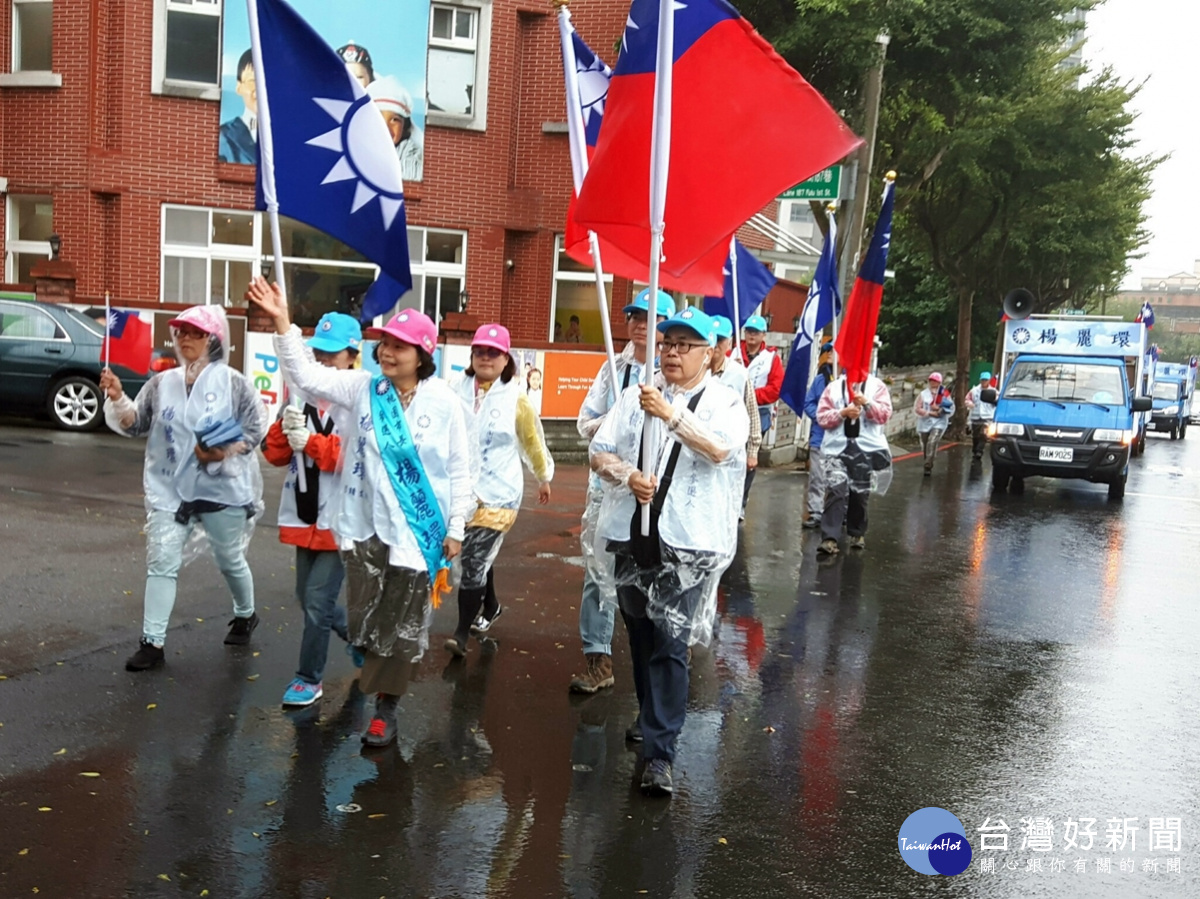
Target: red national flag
743, 127
127, 341
856, 337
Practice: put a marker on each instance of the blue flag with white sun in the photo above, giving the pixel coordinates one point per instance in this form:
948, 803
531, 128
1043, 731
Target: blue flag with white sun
335, 165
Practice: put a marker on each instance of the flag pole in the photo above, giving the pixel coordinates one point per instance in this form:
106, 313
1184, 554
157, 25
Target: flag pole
107, 327
660, 156
831, 209
579, 167
737, 309
266, 171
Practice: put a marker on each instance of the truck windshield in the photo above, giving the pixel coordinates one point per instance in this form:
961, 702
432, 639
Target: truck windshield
1166, 390
1065, 382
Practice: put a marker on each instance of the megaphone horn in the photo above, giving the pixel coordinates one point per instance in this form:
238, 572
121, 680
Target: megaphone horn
1018, 304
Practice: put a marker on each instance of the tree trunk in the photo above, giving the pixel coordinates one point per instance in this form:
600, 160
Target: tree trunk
962, 367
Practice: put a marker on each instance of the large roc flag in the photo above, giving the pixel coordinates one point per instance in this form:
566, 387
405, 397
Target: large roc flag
821, 306
332, 160
856, 339
747, 280
742, 127
592, 79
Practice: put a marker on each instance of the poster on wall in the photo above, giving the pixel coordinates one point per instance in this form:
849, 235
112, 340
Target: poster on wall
390, 66
566, 379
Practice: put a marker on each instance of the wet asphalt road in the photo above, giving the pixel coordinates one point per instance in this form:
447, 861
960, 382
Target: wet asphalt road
1002, 658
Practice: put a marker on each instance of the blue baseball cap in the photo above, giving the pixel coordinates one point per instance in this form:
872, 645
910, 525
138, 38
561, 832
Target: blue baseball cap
695, 320
722, 326
755, 323
336, 332
827, 346
641, 303
985, 376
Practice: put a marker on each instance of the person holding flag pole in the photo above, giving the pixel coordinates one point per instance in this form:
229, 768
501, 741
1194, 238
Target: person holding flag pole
855, 408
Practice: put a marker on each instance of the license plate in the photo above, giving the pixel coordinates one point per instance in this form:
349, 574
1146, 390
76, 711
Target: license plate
1056, 454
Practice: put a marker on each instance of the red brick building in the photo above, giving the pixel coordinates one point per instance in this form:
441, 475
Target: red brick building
101, 146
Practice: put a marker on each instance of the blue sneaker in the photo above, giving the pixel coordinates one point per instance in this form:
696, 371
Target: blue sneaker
357, 656
299, 693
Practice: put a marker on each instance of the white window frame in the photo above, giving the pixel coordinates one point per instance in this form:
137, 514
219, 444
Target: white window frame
477, 120
258, 253
211, 251
574, 277
29, 77
12, 244
159, 82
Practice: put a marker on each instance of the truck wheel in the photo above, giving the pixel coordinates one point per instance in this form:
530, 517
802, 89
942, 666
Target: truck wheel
75, 404
1174, 432
1017, 487
1116, 487
1183, 429
1000, 477
1134, 451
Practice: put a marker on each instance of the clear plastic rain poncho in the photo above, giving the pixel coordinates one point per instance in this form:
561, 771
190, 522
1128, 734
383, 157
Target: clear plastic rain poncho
699, 505
204, 401
856, 454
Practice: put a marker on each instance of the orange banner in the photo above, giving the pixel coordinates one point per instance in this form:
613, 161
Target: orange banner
567, 379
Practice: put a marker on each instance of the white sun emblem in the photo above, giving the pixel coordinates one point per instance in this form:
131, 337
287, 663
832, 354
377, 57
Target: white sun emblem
370, 160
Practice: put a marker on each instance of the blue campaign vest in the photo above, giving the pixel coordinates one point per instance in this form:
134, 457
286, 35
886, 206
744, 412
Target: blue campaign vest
409, 481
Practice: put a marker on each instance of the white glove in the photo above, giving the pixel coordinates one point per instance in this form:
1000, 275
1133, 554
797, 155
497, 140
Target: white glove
297, 440
293, 419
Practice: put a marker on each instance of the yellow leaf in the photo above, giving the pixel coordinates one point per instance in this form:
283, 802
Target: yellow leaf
271, 802
723, 841
3, 677
23, 852
204, 892
200, 621
165, 877
62, 751
152, 705
256, 833
89, 773
45, 808
379, 815
252, 677
257, 654
129, 593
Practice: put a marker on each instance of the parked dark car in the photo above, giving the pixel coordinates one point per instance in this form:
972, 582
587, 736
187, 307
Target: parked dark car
50, 361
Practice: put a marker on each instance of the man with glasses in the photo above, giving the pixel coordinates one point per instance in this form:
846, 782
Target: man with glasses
666, 581
596, 617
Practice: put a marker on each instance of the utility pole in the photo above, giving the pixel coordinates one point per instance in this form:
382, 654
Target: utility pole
865, 158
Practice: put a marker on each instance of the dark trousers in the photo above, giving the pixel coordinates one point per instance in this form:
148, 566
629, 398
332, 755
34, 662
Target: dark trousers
319, 577
746, 489
978, 438
843, 505
660, 667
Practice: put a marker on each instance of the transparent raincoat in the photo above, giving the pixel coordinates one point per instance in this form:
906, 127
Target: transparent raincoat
697, 522
207, 402
855, 454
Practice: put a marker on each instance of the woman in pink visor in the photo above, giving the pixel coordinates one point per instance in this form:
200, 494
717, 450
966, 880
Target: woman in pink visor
405, 490
202, 422
506, 432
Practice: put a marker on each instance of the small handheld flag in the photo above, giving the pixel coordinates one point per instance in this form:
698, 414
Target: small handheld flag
1146, 315
856, 340
127, 341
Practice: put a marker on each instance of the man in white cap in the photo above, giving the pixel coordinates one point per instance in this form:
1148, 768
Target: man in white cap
396, 105
979, 415
766, 377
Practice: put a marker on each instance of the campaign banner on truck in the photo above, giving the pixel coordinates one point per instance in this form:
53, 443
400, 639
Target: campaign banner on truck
1061, 337
384, 45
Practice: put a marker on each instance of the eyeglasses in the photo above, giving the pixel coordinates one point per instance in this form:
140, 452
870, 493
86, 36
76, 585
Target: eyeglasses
682, 347
190, 333
636, 316
486, 352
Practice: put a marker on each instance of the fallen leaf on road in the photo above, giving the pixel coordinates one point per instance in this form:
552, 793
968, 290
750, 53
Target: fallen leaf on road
61, 752
377, 815
768, 729
166, 877
271, 802
723, 841
252, 677
45, 808
152, 705
89, 773
257, 654
23, 852
200, 621
256, 833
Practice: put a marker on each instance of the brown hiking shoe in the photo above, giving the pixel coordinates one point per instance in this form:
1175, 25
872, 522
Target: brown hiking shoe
599, 674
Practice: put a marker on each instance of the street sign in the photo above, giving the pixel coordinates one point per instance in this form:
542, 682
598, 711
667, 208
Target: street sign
824, 185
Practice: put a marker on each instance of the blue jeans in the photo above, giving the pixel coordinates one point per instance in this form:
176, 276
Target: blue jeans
595, 618
165, 538
319, 575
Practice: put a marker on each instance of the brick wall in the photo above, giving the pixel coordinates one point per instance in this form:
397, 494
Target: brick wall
110, 153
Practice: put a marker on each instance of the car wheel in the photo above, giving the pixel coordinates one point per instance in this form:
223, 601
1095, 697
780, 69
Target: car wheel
1116, 487
75, 404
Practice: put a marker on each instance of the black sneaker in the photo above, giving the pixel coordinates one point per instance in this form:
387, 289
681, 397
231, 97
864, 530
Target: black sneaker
633, 733
483, 623
148, 656
240, 630
656, 779
380, 733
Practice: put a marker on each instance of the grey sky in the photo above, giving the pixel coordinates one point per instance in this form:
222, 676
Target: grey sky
1156, 39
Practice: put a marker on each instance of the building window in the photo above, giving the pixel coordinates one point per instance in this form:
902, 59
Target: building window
187, 48
210, 255
456, 80
30, 224
574, 312
31, 35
